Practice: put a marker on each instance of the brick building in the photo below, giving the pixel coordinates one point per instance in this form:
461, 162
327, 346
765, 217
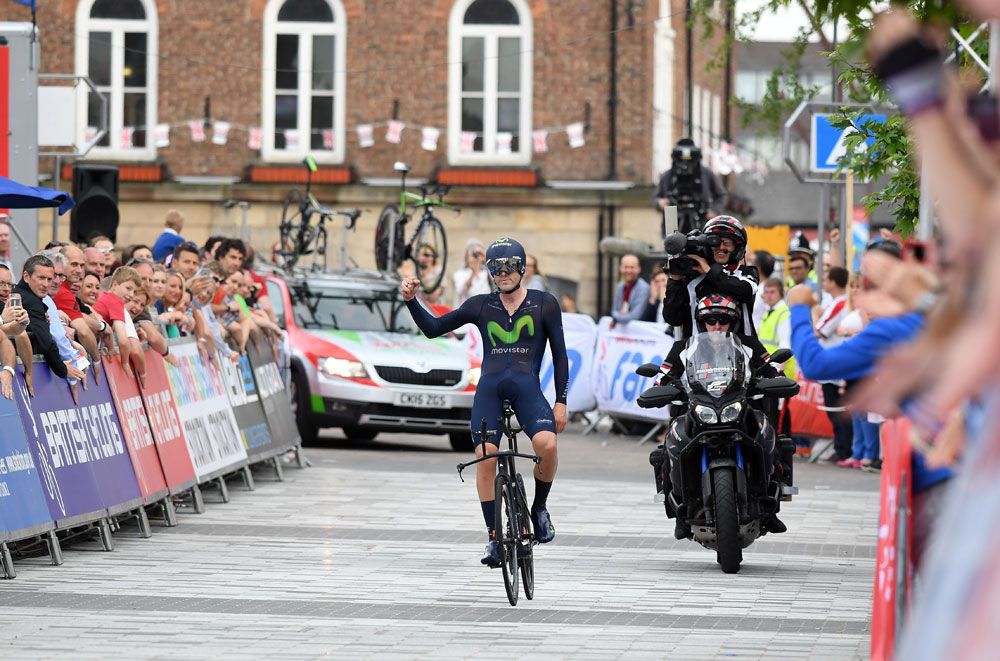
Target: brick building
308, 73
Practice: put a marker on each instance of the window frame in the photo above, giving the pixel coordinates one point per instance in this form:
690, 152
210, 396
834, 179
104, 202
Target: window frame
85, 25
305, 31
491, 34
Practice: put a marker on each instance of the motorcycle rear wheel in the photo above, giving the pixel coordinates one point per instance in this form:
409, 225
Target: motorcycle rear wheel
729, 548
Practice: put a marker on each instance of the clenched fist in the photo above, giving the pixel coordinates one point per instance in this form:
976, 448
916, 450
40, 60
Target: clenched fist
408, 288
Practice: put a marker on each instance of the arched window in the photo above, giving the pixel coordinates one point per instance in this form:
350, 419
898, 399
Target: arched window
116, 48
303, 80
489, 82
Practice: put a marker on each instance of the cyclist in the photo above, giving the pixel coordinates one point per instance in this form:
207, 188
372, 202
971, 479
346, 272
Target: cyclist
515, 324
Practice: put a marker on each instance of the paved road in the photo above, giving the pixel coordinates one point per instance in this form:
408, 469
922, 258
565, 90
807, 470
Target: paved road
375, 552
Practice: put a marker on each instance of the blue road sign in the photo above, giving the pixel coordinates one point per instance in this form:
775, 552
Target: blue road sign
826, 144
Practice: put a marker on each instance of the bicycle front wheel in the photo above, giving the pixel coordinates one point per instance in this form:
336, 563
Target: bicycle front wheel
430, 245
386, 220
507, 534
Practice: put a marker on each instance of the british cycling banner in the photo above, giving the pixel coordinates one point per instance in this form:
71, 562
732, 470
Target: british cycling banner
247, 409
273, 397
619, 351
580, 332
165, 425
23, 511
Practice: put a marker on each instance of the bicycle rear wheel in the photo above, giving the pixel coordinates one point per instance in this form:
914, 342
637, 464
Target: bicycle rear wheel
388, 218
430, 237
506, 532
526, 556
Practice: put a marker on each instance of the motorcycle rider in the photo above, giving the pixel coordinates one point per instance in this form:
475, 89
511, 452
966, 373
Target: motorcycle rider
724, 276
715, 313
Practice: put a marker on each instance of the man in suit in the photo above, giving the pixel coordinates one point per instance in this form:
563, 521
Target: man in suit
34, 286
632, 293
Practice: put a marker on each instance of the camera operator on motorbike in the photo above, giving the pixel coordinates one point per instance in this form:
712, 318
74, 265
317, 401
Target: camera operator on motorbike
705, 263
717, 315
515, 324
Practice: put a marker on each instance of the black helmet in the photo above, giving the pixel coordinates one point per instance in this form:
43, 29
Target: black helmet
800, 244
731, 228
717, 305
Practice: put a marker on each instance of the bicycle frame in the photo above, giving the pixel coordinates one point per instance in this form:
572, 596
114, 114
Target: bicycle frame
421, 200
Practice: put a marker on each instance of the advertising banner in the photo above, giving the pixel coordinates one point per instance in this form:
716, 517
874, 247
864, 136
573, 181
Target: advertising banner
241, 390
79, 449
273, 396
135, 427
580, 332
23, 510
165, 425
808, 419
619, 351
209, 426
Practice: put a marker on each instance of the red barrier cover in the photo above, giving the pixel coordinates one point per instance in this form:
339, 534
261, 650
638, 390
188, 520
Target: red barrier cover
135, 427
808, 419
166, 426
896, 505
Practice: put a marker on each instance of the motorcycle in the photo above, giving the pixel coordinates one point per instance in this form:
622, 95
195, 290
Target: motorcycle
720, 448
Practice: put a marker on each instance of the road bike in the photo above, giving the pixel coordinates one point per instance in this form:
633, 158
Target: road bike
427, 247
514, 529
298, 236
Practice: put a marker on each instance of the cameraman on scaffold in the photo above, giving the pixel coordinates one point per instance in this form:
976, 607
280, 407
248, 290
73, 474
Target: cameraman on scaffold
690, 186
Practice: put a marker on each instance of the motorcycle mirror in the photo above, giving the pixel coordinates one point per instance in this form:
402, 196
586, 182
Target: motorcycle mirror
648, 369
780, 356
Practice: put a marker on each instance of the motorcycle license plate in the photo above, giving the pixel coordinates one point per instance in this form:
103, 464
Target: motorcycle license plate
423, 400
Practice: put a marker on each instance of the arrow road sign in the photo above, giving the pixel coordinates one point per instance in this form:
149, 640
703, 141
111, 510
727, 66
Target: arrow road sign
827, 142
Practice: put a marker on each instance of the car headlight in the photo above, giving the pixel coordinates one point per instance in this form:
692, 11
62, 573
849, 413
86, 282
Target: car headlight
706, 414
732, 412
346, 369
473, 375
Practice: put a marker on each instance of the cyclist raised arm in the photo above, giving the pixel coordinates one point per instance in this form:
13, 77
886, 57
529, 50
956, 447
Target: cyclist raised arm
515, 324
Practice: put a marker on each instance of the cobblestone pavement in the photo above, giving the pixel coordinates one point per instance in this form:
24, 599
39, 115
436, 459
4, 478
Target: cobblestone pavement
374, 552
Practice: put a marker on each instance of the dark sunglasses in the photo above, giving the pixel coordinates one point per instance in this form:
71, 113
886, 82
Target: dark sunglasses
716, 319
504, 265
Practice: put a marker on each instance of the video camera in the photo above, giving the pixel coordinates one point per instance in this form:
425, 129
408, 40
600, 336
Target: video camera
681, 246
686, 186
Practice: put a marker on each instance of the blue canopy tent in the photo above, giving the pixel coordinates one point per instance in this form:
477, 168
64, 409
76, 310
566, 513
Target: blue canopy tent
18, 196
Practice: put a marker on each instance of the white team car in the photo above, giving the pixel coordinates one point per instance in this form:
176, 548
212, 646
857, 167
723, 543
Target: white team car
360, 363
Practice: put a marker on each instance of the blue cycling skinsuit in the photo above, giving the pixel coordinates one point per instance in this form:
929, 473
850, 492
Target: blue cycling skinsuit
513, 346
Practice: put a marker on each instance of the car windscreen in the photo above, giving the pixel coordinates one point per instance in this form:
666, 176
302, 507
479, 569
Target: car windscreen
346, 309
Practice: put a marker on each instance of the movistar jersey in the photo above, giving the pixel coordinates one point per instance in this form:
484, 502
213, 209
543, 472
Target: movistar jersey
510, 342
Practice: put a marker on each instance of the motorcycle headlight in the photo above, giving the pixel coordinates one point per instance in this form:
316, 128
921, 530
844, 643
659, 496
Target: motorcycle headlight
731, 412
473, 375
706, 414
345, 369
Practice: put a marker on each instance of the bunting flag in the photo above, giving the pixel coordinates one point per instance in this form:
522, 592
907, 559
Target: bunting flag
328, 139
429, 138
255, 137
366, 136
574, 133
127, 133
291, 138
197, 128
540, 140
394, 131
89, 133
162, 135
468, 142
504, 141
220, 132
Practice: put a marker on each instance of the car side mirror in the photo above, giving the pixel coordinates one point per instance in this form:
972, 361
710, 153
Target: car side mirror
658, 396
648, 370
779, 386
780, 356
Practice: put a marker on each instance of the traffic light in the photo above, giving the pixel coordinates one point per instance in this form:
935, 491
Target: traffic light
95, 190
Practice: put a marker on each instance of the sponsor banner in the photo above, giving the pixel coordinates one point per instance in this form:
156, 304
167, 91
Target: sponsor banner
580, 332
273, 396
620, 350
242, 392
808, 419
79, 448
135, 427
895, 506
165, 424
210, 429
22, 504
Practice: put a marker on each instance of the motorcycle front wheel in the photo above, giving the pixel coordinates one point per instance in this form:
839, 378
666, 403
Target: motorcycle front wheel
729, 548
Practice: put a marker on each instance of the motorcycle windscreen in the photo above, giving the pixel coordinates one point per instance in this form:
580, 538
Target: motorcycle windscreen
715, 363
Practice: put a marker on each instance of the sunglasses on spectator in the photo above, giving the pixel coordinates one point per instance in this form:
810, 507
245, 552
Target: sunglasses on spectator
716, 320
504, 265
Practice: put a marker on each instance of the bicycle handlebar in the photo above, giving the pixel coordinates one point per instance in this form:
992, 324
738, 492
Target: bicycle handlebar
493, 455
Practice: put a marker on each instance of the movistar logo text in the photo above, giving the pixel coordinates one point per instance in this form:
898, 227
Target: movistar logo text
496, 331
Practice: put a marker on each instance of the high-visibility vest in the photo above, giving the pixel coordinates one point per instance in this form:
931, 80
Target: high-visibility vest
789, 283
768, 333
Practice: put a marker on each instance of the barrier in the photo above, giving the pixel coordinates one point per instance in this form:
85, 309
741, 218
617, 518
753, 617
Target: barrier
580, 332
274, 402
620, 350
808, 416
247, 410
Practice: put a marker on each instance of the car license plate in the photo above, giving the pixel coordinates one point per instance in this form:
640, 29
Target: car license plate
423, 400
